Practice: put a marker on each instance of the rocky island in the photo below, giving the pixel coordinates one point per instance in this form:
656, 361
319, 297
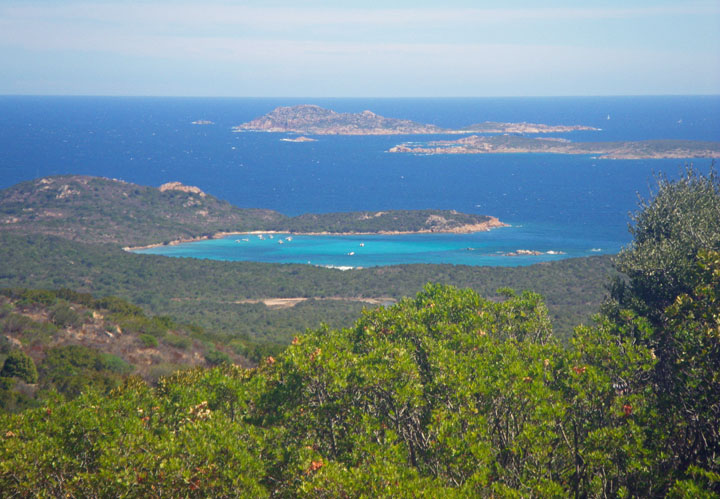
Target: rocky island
506, 144
320, 121
500, 127
316, 120
299, 139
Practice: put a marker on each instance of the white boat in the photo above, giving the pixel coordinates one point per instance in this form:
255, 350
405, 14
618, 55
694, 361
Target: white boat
280, 241
288, 238
352, 253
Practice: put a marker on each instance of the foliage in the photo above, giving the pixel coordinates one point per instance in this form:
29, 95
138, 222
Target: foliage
148, 341
682, 218
445, 394
20, 365
81, 343
673, 272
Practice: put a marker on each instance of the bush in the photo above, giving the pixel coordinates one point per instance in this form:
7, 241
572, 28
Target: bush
148, 341
20, 365
62, 315
177, 341
216, 357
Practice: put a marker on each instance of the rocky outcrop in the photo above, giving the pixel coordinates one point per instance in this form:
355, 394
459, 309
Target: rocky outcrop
177, 186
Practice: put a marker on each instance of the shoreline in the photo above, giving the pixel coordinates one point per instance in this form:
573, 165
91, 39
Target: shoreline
493, 223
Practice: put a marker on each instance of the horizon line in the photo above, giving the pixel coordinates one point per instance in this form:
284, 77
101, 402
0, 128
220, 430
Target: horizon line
158, 96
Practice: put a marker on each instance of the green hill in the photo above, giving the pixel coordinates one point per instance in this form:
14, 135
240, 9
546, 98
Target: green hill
100, 210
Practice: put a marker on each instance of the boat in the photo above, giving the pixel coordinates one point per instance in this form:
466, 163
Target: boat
280, 241
352, 253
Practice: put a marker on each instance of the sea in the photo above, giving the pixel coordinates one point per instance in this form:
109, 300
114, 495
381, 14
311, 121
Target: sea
556, 206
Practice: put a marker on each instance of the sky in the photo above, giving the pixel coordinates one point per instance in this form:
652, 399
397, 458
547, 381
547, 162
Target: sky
283, 48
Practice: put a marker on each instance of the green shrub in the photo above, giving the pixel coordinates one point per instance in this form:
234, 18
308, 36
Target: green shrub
20, 365
148, 341
216, 357
64, 316
177, 341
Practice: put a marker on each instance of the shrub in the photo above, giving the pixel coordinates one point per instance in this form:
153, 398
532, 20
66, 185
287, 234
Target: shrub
20, 365
148, 341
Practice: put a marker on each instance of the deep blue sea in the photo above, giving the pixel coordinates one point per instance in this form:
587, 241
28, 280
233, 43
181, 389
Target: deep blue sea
571, 205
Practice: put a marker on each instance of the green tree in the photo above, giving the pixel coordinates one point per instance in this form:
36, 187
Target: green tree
20, 365
672, 269
681, 218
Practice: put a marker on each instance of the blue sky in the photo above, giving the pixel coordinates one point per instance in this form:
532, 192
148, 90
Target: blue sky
370, 48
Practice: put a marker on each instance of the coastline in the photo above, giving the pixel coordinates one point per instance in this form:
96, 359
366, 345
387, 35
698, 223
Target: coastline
493, 223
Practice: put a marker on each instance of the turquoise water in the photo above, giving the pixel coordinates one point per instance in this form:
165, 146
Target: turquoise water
360, 251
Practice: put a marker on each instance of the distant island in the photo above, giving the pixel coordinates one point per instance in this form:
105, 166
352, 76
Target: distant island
311, 119
299, 139
101, 210
504, 144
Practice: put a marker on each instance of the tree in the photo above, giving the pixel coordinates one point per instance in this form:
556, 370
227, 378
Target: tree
682, 218
20, 365
673, 272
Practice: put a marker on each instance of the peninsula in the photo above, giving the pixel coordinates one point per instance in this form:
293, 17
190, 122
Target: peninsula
311, 119
506, 144
100, 210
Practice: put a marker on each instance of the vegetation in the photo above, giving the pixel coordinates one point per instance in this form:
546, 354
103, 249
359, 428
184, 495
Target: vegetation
101, 210
79, 343
212, 293
381, 221
19, 365
446, 394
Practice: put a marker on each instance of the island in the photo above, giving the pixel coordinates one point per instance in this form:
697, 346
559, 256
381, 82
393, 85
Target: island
500, 127
299, 139
311, 119
506, 144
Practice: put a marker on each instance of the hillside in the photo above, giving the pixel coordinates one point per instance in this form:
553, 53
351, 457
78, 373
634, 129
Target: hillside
101, 210
77, 341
